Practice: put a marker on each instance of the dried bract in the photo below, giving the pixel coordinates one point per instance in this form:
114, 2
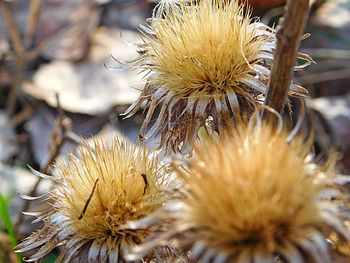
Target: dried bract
165, 7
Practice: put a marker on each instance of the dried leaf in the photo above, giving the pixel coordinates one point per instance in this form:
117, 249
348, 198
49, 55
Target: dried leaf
89, 87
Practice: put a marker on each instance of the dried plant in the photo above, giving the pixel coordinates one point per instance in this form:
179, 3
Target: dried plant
96, 193
251, 194
209, 65
254, 197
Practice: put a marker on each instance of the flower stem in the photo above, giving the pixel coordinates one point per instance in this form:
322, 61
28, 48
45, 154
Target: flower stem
289, 33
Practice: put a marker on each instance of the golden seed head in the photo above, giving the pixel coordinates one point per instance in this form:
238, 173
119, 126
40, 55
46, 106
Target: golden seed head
206, 60
251, 191
127, 188
205, 51
253, 196
97, 192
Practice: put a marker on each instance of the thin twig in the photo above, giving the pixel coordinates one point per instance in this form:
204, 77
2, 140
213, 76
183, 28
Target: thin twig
36, 51
23, 115
57, 141
88, 200
32, 21
18, 78
26, 205
324, 76
12, 27
288, 36
331, 53
20, 54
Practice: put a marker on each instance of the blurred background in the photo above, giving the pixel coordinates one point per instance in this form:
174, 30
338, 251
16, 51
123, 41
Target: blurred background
57, 86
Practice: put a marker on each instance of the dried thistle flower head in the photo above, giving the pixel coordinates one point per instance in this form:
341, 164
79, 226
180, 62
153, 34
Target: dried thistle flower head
95, 195
209, 63
254, 198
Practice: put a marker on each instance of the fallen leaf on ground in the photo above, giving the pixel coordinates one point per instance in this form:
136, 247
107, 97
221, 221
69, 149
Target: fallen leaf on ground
89, 87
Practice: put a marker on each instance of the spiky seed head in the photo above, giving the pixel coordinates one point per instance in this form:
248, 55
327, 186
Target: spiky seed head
210, 61
95, 194
255, 198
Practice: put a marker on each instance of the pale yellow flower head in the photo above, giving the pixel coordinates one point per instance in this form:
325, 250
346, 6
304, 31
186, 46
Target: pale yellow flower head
253, 197
208, 64
95, 194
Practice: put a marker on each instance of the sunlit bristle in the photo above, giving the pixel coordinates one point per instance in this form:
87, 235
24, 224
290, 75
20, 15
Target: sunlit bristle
253, 197
97, 193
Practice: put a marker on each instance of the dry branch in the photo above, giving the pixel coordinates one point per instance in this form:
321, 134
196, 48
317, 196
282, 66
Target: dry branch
12, 27
57, 141
32, 21
288, 35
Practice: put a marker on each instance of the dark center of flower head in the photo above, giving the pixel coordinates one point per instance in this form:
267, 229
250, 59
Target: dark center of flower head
268, 236
248, 241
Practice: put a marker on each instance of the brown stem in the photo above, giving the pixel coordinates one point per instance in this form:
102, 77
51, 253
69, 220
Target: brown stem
36, 51
58, 139
20, 53
288, 36
22, 116
26, 205
12, 27
32, 21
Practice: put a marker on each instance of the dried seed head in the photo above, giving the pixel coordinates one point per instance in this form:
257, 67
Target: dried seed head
209, 61
96, 194
254, 198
